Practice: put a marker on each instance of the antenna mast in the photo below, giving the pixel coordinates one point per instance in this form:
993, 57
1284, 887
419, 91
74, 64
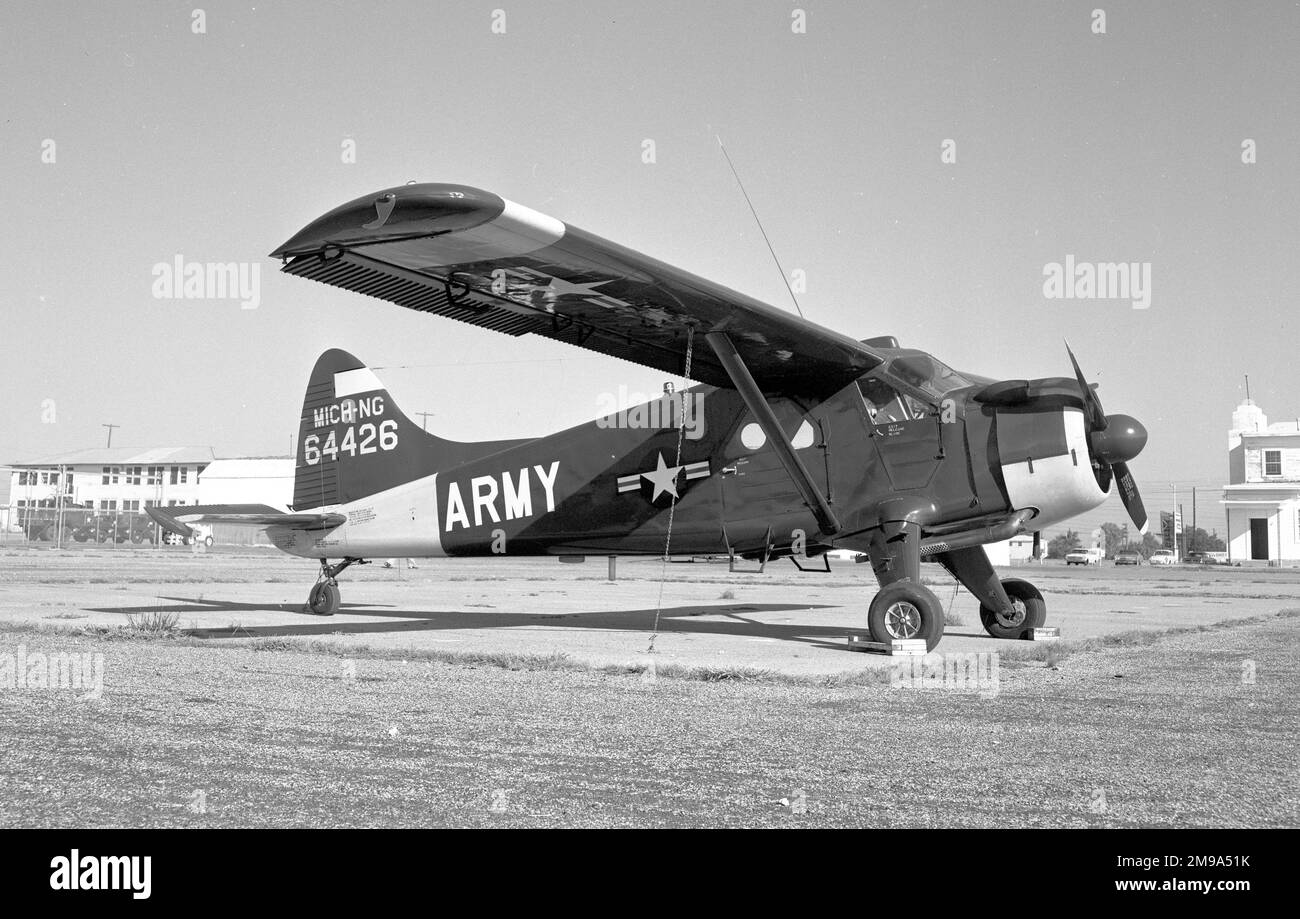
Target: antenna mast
784, 279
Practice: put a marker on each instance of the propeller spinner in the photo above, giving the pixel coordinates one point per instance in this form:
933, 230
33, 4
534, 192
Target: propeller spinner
1113, 440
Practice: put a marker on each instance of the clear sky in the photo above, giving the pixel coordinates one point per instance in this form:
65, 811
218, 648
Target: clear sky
1123, 146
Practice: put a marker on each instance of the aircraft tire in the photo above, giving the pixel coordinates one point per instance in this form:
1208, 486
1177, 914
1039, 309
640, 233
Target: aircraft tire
324, 599
1027, 599
207, 541
905, 610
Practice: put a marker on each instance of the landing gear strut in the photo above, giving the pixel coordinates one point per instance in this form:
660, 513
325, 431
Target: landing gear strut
903, 608
324, 599
1008, 608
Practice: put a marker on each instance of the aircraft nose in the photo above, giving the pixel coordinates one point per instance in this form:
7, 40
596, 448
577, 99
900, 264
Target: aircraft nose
1122, 439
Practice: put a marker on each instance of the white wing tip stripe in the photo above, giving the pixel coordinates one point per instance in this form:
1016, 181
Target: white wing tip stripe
530, 223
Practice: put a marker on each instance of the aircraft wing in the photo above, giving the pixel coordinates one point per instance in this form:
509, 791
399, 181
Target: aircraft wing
259, 516
456, 251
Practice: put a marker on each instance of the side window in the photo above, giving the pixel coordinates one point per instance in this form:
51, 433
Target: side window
887, 405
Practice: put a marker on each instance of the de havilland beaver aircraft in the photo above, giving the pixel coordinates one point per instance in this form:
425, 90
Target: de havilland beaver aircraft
797, 440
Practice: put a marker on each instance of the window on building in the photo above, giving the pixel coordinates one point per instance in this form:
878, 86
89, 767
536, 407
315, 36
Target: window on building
105, 479
67, 483
108, 505
176, 471
1272, 462
184, 472
133, 474
151, 503
113, 474
171, 503
22, 478
155, 475
131, 507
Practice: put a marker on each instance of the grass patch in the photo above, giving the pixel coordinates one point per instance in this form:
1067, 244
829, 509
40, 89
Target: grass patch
153, 622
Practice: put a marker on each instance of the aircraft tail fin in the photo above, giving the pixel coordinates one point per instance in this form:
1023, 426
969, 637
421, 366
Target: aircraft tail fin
353, 440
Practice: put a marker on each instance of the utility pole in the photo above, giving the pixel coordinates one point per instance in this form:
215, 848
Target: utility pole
1193, 546
424, 420
1174, 522
110, 432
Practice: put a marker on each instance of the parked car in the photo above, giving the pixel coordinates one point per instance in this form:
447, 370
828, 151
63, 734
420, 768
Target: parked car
1128, 557
1091, 556
202, 534
1199, 558
1162, 557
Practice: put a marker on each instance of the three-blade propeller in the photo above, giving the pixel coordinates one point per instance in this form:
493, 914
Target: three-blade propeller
1113, 440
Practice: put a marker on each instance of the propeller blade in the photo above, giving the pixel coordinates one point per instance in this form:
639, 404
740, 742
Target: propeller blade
1092, 405
1128, 493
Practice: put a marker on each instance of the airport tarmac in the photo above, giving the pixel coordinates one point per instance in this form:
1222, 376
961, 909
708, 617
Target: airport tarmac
781, 620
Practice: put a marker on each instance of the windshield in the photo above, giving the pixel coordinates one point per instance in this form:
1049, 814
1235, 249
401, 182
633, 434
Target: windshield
927, 373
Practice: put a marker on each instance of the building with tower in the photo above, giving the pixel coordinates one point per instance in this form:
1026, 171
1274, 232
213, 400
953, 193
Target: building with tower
1262, 497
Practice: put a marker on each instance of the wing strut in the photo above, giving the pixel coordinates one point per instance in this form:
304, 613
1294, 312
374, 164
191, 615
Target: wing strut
741, 378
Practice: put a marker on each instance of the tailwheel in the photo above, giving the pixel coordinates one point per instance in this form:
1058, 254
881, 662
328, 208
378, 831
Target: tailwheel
324, 599
1028, 611
904, 610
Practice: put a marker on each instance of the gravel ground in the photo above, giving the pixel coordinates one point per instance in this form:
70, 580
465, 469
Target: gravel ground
185, 733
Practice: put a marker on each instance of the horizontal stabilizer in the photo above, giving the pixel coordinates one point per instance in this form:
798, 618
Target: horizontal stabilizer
259, 516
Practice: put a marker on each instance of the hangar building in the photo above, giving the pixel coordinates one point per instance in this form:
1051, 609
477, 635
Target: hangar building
1262, 497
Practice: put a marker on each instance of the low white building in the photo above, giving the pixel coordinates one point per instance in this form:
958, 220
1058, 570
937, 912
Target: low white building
1014, 551
247, 480
1262, 497
111, 480
126, 480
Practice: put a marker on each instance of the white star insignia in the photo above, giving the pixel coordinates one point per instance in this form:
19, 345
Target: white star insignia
663, 478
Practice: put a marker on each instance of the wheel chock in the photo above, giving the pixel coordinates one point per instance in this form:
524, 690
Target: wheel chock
899, 647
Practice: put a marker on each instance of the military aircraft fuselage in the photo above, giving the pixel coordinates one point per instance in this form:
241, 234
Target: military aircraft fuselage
889, 447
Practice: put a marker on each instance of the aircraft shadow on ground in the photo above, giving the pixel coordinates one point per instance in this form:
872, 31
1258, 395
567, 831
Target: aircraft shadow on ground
679, 619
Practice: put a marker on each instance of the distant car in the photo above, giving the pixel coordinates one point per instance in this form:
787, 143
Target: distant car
202, 534
1128, 558
1162, 557
1083, 557
1199, 558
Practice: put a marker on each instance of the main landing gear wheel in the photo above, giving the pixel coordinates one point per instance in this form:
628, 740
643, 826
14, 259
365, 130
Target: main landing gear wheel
1029, 611
324, 599
903, 610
